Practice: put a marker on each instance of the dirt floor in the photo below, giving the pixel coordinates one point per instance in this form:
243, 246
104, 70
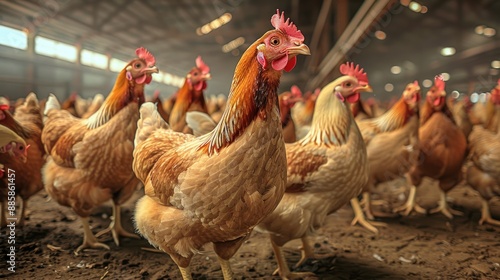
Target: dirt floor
414, 247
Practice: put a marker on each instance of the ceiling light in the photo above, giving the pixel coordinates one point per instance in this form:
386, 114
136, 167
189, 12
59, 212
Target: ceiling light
455, 94
214, 24
489, 32
424, 9
427, 83
389, 87
379, 34
233, 44
414, 6
448, 51
479, 29
405, 2
395, 70
495, 64
445, 76
474, 97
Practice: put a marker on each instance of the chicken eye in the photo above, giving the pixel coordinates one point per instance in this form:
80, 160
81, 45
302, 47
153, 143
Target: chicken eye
347, 84
21, 148
275, 41
138, 65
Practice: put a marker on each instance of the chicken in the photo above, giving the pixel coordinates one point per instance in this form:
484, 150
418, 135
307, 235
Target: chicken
169, 103
90, 160
156, 99
94, 106
14, 146
442, 150
82, 105
27, 123
216, 188
461, 110
493, 109
392, 148
190, 96
325, 169
484, 173
70, 104
286, 102
302, 113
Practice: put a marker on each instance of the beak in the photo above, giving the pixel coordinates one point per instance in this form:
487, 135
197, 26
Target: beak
442, 93
207, 76
150, 70
301, 49
364, 88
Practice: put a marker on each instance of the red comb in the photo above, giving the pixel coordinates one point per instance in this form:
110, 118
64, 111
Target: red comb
357, 72
287, 27
296, 90
439, 82
4, 107
415, 83
146, 55
202, 66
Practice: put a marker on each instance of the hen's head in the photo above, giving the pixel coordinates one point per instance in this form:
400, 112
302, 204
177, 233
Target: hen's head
279, 48
354, 81
198, 76
436, 96
495, 94
141, 68
16, 146
411, 95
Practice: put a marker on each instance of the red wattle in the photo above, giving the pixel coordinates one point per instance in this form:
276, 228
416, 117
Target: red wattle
141, 79
353, 98
280, 63
291, 64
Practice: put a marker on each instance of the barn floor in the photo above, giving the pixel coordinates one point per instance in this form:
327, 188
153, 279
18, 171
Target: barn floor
414, 247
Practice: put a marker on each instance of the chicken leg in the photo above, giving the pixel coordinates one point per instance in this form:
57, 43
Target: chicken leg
89, 240
444, 208
116, 227
410, 204
307, 252
23, 205
359, 217
283, 269
486, 215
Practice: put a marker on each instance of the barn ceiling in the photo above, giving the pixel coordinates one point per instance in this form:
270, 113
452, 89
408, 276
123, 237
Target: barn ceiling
336, 31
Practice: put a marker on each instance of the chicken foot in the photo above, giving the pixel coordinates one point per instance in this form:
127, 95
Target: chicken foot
410, 204
370, 213
307, 252
283, 269
89, 240
116, 227
486, 215
359, 217
444, 208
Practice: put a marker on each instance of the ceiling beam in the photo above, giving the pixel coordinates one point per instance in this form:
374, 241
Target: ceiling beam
361, 21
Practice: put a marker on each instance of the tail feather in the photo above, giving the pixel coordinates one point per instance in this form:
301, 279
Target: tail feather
52, 103
200, 122
149, 121
31, 100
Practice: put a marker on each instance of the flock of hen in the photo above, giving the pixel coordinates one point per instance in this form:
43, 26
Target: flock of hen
215, 169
